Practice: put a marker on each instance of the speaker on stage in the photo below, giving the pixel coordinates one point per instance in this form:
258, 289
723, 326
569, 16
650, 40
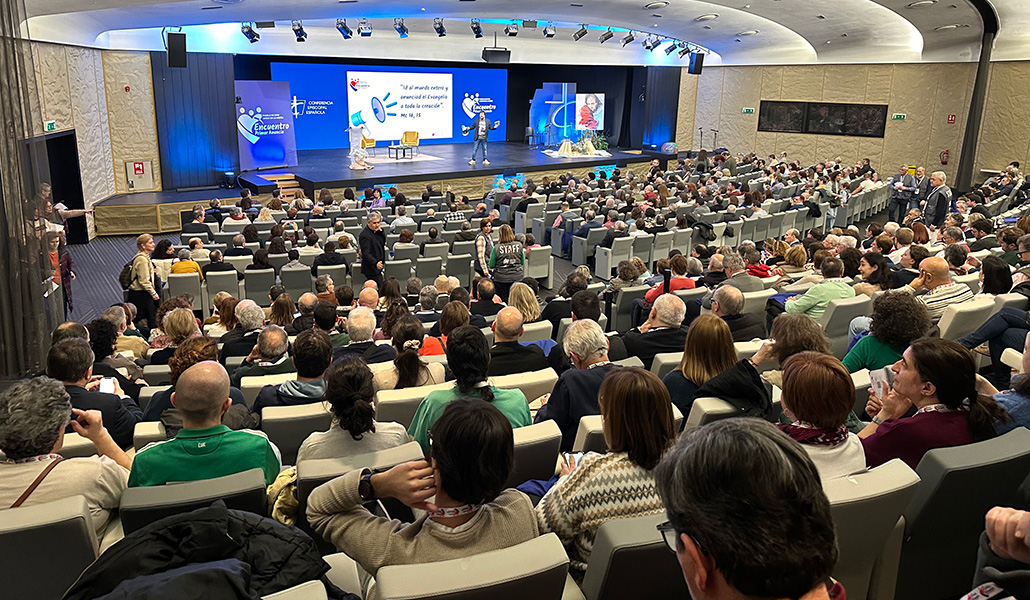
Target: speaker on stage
697, 60
176, 50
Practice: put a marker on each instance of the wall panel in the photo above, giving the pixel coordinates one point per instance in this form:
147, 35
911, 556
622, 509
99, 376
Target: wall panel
131, 113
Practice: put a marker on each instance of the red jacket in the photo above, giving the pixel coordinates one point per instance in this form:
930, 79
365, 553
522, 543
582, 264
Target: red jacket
759, 270
676, 283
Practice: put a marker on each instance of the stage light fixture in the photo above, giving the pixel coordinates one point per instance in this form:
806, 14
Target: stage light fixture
441, 31
580, 33
249, 33
628, 39
298, 30
604, 37
549, 30
512, 29
477, 29
684, 50
670, 48
650, 43
364, 28
402, 30
346, 32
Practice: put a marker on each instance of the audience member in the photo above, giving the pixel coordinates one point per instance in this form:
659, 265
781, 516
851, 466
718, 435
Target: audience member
487, 304
270, 356
251, 319
728, 304
898, 319
193, 351
522, 297
312, 353
408, 369
508, 356
941, 291
560, 308
306, 314
361, 326
179, 325
814, 302
707, 352
125, 342
662, 332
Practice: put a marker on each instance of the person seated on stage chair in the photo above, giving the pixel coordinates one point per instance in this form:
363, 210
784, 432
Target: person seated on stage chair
197, 225
508, 356
312, 353
239, 247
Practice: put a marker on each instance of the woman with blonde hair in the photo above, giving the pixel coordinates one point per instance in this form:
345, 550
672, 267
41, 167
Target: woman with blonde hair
141, 291
226, 318
265, 216
707, 352
179, 325
642, 271
283, 310
794, 260
523, 298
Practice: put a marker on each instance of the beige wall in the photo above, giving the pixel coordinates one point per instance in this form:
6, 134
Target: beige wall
1005, 132
927, 93
130, 115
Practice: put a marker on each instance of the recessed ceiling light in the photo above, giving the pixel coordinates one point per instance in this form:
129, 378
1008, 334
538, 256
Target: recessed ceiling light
843, 35
655, 5
656, 15
576, 4
748, 32
706, 17
829, 41
747, 6
708, 27
921, 3
210, 7
951, 26
820, 16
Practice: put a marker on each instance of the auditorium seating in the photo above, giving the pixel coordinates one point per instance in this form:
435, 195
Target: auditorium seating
590, 432
288, 426
960, 320
630, 559
536, 452
251, 386
837, 318
311, 590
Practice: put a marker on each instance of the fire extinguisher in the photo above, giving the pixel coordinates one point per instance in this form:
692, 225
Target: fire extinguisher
944, 157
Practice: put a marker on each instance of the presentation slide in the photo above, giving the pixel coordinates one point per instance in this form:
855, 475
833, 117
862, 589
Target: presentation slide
385, 102
590, 112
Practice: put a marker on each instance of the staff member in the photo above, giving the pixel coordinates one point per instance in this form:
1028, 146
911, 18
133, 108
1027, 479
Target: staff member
372, 242
480, 132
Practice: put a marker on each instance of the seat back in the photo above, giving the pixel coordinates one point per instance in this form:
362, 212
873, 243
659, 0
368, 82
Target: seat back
288, 426
251, 386
337, 272
962, 319
76, 446
708, 410
754, 302
187, 283
866, 507
409, 138
239, 262
428, 269
222, 281
621, 307
257, 283
642, 247
405, 253
631, 560
434, 250
532, 332
532, 384
460, 266
837, 318
536, 452
590, 435
665, 362
534, 569
45, 547
296, 281
399, 406
972, 280
662, 244
946, 517
310, 590
563, 326
400, 269
467, 247
141, 506
1018, 301
157, 374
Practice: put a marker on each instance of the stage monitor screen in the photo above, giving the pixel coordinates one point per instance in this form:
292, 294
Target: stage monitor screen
264, 125
783, 117
590, 112
386, 101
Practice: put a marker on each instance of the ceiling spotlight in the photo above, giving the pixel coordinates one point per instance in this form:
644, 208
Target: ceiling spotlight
706, 17
402, 31
748, 32
651, 43
627, 39
604, 37
364, 28
476, 28
582, 31
655, 5
298, 30
549, 30
670, 48
512, 29
438, 26
684, 50
341, 26
248, 32
921, 3
951, 26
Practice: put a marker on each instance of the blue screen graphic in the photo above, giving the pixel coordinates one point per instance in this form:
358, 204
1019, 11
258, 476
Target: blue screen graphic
410, 100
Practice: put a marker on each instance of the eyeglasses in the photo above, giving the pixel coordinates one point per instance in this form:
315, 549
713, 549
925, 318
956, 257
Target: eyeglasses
669, 534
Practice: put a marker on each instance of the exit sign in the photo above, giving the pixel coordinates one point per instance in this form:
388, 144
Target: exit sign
898, 117
50, 125
748, 111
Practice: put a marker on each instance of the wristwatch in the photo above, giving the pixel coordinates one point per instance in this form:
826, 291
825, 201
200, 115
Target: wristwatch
876, 420
365, 489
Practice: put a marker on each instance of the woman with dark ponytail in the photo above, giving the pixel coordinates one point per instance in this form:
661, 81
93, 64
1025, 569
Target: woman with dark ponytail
349, 392
938, 377
468, 355
408, 369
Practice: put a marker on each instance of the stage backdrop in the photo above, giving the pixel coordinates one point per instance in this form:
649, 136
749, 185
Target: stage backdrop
264, 124
386, 101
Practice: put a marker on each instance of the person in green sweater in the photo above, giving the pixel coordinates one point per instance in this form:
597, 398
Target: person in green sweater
468, 355
898, 319
813, 303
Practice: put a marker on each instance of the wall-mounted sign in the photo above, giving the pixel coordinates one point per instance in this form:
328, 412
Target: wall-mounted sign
747, 110
898, 117
951, 119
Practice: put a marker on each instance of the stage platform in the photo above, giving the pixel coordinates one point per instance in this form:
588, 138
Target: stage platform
439, 164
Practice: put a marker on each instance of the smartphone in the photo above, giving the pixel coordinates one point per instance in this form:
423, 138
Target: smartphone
572, 458
107, 385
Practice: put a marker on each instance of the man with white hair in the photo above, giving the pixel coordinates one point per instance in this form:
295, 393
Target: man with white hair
662, 332
508, 356
361, 324
252, 319
938, 200
137, 345
269, 356
575, 393
728, 305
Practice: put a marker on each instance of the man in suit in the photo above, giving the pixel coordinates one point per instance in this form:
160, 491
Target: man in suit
938, 199
328, 258
372, 243
71, 363
239, 247
983, 231
217, 265
589, 222
486, 306
616, 231
507, 355
902, 186
733, 267
197, 225
661, 332
480, 133
922, 185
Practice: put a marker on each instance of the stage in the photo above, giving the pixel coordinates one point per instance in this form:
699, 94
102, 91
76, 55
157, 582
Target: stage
439, 164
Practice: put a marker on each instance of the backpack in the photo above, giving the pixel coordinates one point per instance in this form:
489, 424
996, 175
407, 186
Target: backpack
128, 275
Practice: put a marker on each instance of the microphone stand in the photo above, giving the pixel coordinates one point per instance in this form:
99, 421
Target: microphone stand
715, 138
701, 134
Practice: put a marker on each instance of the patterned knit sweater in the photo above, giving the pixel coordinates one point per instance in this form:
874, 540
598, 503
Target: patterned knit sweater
602, 487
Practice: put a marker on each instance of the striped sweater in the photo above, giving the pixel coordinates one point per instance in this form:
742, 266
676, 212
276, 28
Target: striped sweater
941, 297
602, 487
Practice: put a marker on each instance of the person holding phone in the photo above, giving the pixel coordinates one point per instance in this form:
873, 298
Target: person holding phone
480, 133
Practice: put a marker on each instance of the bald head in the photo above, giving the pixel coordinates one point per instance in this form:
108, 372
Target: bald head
370, 284
369, 298
306, 303
202, 394
936, 272
508, 325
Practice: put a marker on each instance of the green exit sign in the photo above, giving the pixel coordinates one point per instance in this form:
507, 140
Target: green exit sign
50, 125
898, 117
747, 110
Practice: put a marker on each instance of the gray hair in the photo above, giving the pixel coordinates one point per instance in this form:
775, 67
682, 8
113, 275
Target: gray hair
32, 414
273, 342
733, 262
239, 240
427, 297
694, 266
730, 299
234, 211
954, 233
251, 317
940, 175
322, 283
715, 262
361, 324
114, 315
708, 480
585, 339
847, 241
453, 283
670, 310
184, 254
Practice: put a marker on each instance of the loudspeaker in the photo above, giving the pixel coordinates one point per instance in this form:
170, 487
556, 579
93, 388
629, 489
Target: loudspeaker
496, 55
697, 60
176, 50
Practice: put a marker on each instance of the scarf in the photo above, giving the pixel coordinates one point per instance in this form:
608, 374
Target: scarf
806, 433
